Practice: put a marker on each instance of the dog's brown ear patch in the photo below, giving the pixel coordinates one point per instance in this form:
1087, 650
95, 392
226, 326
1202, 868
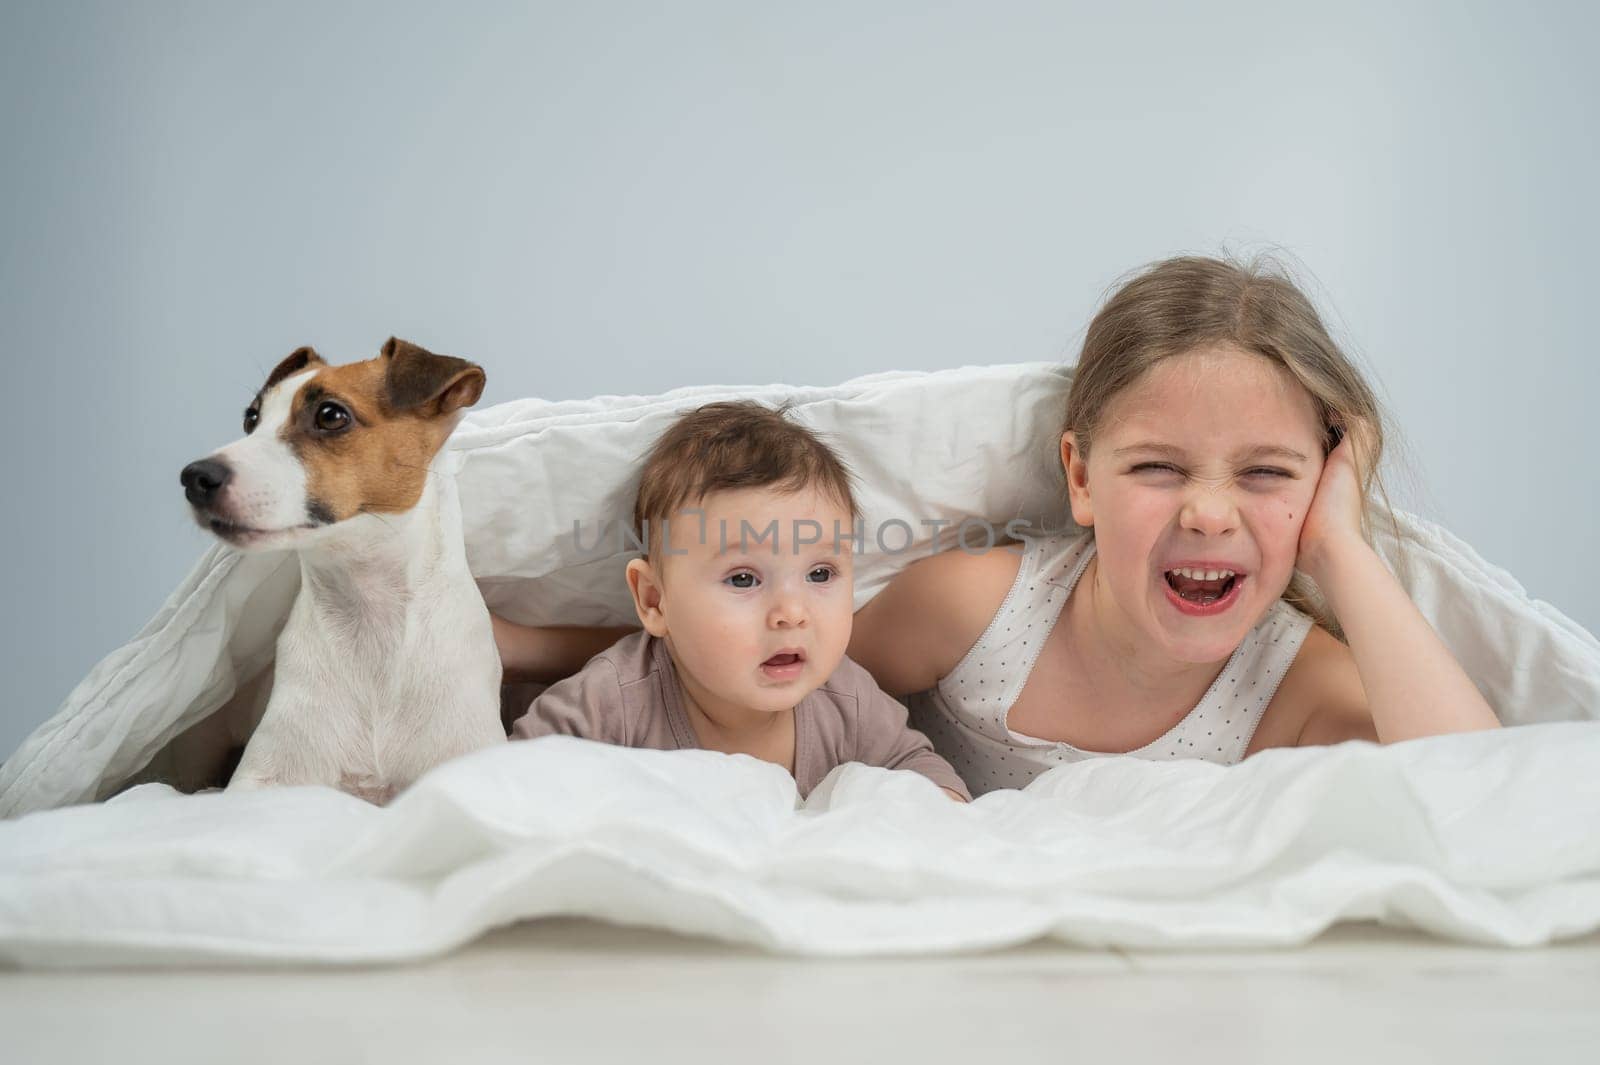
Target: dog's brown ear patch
298, 360
420, 382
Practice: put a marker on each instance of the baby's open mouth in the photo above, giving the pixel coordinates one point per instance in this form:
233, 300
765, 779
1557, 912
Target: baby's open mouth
787, 658
1201, 586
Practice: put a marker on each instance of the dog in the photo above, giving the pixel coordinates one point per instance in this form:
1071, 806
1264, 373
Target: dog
387, 664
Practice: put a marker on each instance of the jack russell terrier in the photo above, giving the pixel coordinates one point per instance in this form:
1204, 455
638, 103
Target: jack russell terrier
387, 663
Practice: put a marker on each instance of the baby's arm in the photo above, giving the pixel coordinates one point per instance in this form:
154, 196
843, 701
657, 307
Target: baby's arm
587, 705
883, 736
1412, 685
547, 653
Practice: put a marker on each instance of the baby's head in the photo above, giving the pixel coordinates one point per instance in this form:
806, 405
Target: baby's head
747, 517
1206, 400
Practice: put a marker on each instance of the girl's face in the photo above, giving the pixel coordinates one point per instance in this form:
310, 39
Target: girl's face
1196, 485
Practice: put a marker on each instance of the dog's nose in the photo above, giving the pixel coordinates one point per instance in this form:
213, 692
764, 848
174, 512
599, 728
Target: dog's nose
201, 480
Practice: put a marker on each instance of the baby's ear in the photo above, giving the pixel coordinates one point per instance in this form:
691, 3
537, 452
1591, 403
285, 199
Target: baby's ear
1076, 468
645, 586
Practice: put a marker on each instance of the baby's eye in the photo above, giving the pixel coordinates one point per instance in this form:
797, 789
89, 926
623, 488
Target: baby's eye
742, 581
1266, 471
821, 575
1155, 467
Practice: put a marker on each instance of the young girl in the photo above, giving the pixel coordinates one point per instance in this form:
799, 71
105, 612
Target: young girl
1215, 442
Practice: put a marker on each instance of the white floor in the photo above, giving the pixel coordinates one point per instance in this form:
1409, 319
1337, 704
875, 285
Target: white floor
559, 991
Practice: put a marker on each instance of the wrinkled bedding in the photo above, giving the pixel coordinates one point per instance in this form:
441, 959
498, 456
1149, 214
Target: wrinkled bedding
1488, 838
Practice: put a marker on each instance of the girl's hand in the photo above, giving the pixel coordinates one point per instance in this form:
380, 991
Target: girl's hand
516, 645
1410, 683
1333, 524
545, 654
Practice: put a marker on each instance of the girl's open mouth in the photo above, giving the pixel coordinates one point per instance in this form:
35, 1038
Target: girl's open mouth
1203, 593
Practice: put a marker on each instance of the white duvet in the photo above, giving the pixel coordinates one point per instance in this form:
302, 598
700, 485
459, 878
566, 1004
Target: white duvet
1490, 838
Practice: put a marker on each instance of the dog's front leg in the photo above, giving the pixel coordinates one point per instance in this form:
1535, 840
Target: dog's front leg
241, 781
255, 769
276, 754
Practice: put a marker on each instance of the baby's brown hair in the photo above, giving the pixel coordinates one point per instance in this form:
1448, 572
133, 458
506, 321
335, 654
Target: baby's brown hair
731, 445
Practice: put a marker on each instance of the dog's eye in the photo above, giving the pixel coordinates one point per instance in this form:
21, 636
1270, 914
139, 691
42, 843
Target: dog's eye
331, 417
251, 417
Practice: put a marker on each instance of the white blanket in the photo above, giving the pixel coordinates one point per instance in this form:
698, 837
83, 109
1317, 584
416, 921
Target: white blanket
1483, 837
1486, 837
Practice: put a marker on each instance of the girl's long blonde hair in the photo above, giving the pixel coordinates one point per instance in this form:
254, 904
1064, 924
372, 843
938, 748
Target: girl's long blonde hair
1184, 303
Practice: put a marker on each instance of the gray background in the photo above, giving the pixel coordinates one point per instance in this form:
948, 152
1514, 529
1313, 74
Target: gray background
626, 198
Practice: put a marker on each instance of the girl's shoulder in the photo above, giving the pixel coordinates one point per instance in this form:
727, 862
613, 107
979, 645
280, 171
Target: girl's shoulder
1321, 699
931, 614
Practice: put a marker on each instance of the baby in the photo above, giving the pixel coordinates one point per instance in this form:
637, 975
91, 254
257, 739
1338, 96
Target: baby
746, 598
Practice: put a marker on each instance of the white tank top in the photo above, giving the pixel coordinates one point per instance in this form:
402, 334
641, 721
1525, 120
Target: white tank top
964, 715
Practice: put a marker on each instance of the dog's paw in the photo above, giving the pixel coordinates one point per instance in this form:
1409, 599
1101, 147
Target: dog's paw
368, 787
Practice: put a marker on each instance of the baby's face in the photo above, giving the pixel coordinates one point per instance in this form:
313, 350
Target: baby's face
756, 615
1208, 463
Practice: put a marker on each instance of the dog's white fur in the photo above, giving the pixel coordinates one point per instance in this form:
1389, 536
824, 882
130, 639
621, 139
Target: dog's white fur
268, 489
387, 664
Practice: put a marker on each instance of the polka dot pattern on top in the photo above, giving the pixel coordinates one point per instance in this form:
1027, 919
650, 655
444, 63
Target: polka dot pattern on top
964, 716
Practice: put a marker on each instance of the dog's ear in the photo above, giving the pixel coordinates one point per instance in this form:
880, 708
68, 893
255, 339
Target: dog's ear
299, 359
421, 382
